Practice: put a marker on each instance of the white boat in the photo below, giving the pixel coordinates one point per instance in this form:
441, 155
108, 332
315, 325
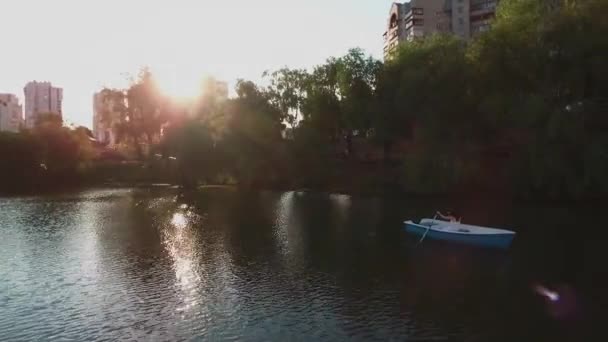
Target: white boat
461, 233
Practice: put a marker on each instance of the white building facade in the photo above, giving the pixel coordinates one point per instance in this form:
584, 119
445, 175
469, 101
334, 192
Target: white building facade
11, 113
41, 98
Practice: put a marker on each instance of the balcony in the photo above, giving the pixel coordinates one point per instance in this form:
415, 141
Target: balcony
482, 8
389, 49
414, 23
477, 30
480, 18
391, 34
414, 13
414, 33
391, 41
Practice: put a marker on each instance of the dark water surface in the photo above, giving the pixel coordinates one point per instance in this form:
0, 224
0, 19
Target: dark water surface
150, 265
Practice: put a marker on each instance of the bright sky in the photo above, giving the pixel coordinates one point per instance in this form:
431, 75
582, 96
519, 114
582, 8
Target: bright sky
83, 45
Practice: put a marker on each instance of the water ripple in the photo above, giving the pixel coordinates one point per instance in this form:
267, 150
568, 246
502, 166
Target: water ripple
110, 265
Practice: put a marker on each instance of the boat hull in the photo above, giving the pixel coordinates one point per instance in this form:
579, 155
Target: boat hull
500, 241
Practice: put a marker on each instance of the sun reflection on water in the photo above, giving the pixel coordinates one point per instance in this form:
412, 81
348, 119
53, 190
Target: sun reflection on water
179, 241
282, 222
289, 232
179, 220
341, 205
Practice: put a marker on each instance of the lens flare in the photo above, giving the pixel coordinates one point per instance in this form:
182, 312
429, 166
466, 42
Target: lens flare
550, 295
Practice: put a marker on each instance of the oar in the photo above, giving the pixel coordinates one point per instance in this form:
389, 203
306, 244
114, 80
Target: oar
427, 230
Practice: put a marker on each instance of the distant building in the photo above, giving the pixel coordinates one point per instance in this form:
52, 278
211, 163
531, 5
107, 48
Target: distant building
419, 18
213, 88
103, 120
41, 98
221, 90
481, 14
11, 113
213, 93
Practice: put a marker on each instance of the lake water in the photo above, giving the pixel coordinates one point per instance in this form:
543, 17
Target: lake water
150, 264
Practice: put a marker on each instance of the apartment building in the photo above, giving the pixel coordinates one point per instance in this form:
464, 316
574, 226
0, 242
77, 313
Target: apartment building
11, 113
419, 18
104, 120
41, 98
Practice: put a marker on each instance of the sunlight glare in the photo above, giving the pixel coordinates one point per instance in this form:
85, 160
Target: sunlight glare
180, 246
283, 221
178, 86
179, 220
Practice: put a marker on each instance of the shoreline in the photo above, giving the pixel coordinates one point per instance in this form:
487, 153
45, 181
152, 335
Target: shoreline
393, 193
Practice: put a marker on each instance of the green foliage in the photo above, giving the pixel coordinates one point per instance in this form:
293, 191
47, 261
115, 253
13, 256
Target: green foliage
287, 91
321, 108
47, 156
138, 112
337, 97
49, 119
427, 83
190, 145
311, 155
20, 160
356, 76
252, 141
539, 78
520, 108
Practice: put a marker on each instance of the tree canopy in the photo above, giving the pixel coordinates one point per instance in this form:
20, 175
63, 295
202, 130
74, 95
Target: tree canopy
519, 110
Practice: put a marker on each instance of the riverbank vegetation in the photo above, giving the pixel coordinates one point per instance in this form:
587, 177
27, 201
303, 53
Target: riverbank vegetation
519, 111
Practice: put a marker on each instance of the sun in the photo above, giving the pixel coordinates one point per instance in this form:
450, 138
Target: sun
179, 89
178, 85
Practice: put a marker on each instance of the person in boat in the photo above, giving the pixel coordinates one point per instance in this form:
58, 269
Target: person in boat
450, 216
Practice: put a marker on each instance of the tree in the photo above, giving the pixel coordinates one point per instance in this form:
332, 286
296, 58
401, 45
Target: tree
49, 119
141, 110
252, 138
321, 106
287, 90
539, 78
211, 100
21, 156
191, 146
357, 77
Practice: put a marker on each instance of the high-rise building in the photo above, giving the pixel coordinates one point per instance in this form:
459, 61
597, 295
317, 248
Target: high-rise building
11, 113
103, 120
41, 98
481, 14
419, 18
213, 93
221, 90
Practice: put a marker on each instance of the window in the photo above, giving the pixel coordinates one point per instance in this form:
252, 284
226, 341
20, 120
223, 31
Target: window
460, 21
486, 5
394, 22
460, 9
480, 28
414, 22
418, 11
